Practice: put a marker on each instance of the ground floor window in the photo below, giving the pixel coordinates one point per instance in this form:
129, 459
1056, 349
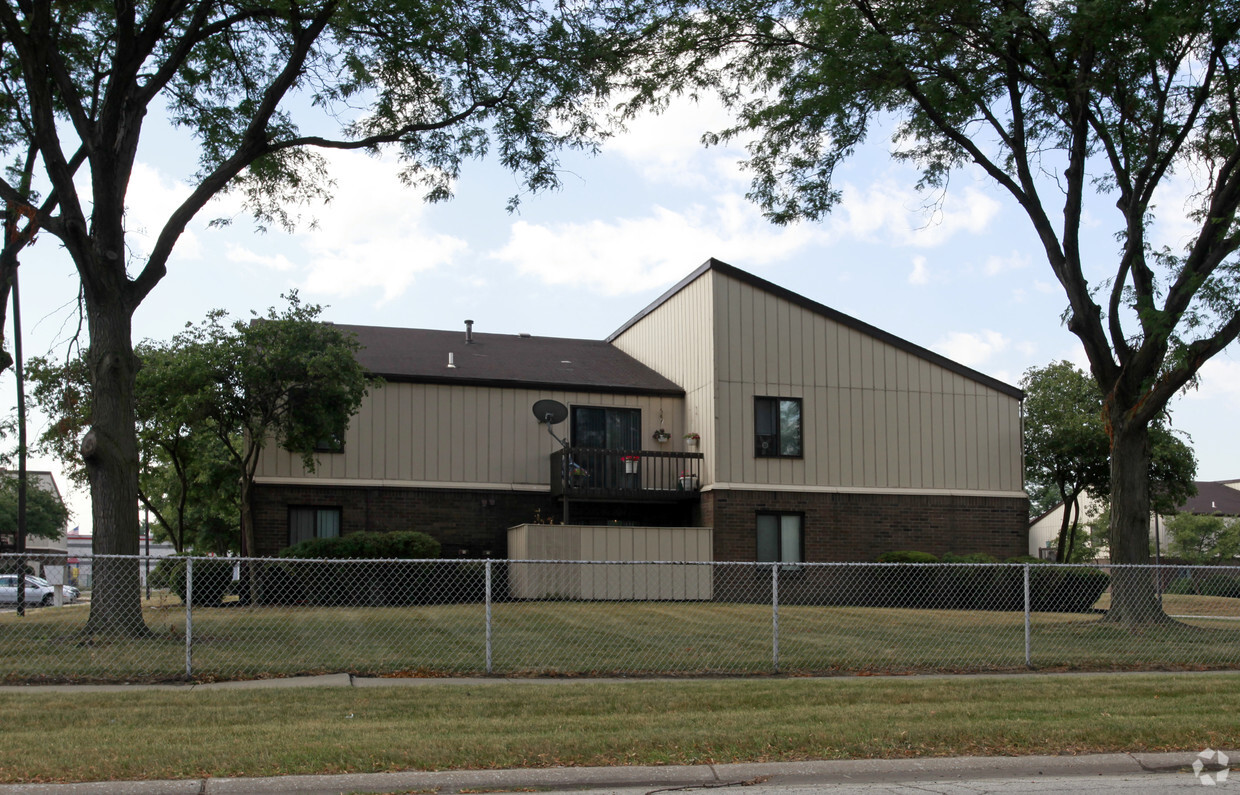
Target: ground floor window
780, 538
305, 522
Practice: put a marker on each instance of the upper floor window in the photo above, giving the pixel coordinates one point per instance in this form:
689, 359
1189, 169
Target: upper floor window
607, 428
777, 427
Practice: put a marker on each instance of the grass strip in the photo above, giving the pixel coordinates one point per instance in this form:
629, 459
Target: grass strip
597, 638
162, 734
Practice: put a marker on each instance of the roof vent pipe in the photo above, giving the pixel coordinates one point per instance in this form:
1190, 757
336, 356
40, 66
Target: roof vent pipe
469, 332
451, 361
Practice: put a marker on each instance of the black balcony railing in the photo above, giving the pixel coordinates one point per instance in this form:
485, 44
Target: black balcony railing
593, 473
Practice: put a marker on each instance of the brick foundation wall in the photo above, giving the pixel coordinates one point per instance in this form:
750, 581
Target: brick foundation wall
860, 527
467, 522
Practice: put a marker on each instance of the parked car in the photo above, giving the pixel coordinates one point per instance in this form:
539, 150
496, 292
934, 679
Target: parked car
71, 592
36, 594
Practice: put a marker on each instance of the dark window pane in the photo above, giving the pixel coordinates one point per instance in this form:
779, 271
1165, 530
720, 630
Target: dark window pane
790, 427
768, 538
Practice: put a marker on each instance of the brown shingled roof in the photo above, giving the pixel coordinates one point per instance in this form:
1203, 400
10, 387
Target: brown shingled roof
1213, 498
421, 355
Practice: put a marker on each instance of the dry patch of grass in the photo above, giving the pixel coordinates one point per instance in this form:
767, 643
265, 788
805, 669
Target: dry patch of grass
151, 734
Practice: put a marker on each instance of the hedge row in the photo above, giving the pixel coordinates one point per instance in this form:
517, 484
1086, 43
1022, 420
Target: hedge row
363, 569
955, 585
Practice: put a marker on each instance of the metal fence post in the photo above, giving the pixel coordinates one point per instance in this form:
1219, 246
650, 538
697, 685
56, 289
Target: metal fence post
1028, 649
189, 617
488, 616
775, 616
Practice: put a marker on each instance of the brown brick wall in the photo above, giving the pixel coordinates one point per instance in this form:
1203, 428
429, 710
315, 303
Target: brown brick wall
469, 523
860, 527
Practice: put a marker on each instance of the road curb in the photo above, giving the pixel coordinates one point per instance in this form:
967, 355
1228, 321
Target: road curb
816, 773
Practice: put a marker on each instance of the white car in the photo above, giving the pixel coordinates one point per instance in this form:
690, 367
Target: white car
36, 594
71, 592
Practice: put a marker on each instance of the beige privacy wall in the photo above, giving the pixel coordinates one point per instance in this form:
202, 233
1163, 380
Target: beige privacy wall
875, 415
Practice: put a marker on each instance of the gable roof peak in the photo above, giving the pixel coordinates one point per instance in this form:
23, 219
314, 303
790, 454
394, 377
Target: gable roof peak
757, 282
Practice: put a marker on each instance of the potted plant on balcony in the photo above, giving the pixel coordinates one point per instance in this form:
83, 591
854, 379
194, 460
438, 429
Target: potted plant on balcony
630, 463
688, 481
692, 439
661, 436
576, 474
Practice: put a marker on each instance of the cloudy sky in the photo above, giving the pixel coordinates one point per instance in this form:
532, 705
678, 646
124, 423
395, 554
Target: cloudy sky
959, 273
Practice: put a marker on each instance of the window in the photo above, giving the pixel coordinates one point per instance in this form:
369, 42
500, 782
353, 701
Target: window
607, 428
305, 523
777, 427
780, 538
330, 444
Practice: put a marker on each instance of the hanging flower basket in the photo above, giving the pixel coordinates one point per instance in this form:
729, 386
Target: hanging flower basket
661, 436
692, 439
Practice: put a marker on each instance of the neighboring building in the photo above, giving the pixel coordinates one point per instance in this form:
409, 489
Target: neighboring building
81, 548
1213, 497
36, 545
819, 437
1044, 529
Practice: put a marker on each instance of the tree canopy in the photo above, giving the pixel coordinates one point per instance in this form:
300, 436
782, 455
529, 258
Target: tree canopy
1067, 453
46, 513
200, 398
260, 87
1080, 111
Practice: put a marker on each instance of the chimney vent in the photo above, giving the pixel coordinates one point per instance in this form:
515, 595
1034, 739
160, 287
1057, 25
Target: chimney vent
452, 361
469, 332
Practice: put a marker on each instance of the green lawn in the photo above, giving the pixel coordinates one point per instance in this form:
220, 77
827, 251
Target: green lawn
184, 733
576, 638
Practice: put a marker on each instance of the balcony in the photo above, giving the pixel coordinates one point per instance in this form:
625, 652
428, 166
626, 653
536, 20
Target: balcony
588, 473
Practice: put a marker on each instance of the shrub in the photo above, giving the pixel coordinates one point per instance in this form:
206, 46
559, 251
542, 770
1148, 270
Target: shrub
1220, 585
1065, 589
405, 545
212, 578
1052, 588
366, 569
907, 556
1181, 586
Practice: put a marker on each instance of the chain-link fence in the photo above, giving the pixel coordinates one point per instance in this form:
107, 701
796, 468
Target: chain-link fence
229, 618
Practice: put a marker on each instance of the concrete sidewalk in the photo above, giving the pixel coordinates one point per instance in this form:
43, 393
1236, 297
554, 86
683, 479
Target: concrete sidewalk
1145, 772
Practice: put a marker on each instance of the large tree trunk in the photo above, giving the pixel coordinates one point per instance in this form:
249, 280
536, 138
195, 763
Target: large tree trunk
1134, 599
110, 451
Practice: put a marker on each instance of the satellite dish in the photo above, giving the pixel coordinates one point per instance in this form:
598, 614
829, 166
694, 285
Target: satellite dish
552, 412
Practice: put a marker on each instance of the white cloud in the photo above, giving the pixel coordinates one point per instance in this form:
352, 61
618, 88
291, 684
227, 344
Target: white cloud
279, 262
667, 147
149, 200
897, 214
1173, 201
919, 275
633, 254
372, 236
969, 349
996, 265
1220, 379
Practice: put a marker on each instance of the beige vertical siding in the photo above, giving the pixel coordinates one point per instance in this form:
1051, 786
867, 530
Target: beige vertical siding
678, 340
456, 435
581, 543
874, 416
